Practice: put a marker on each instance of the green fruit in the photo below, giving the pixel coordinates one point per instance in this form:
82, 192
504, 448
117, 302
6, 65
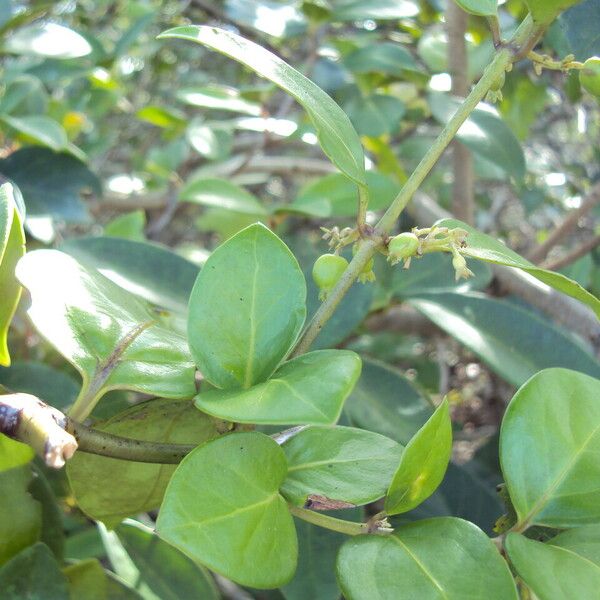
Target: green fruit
545, 11
589, 76
327, 270
403, 246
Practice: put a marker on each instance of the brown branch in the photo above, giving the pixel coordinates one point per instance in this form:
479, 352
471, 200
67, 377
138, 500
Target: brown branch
463, 197
538, 254
572, 256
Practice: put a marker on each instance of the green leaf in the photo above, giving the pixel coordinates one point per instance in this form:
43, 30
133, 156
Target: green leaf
12, 248
159, 571
20, 517
436, 558
219, 97
114, 340
129, 226
434, 273
549, 443
87, 580
212, 141
486, 248
335, 132
515, 342
339, 463
223, 509
483, 8
385, 57
386, 402
246, 309
222, 194
34, 573
13, 454
150, 271
48, 40
109, 489
376, 115
484, 132
309, 389
552, 573
166, 118
584, 541
51, 184
545, 11
423, 463
383, 10
579, 26
317, 551
42, 129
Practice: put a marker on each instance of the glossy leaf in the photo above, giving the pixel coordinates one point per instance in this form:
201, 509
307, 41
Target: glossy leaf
33, 573
221, 194
48, 39
483, 8
515, 342
552, 573
334, 130
423, 463
158, 569
12, 247
385, 57
114, 340
549, 442
223, 509
357, 10
340, 463
485, 133
42, 129
108, 489
386, 402
147, 270
376, 115
246, 309
489, 249
545, 11
309, 389
436, 558
20, 517
218, 97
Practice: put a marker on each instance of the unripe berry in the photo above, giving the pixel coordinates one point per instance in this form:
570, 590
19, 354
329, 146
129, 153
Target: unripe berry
327, 270
402, 246
589, 76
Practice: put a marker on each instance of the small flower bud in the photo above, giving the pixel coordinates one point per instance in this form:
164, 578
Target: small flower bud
402, 246
460, 266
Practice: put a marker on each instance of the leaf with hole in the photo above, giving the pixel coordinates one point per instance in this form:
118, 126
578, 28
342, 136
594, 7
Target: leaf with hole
113, 339
423, 463
336, 135
436, 558
486, 248
247, 308
109, 489
339, 463
549, 443
309, 389
223, 509
552, 572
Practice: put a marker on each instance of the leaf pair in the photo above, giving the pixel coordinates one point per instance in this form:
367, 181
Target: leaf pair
246, 311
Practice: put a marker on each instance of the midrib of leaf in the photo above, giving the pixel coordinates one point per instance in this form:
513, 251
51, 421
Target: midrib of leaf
547, 495
320, 463
299, 397
579, 556
252, 334
421, 566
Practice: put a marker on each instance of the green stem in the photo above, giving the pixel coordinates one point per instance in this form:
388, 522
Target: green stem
502, 60
363, 204
339, 525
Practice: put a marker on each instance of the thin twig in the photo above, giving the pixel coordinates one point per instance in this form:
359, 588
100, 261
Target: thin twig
571, 257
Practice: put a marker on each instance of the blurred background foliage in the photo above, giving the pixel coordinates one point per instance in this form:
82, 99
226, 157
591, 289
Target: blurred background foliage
139, 156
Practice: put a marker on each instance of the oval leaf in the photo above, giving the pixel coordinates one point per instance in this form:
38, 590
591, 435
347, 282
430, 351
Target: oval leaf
309, 389
340, 463
549, 446
114, 340
223, 509
584, 541
436, 558
336, 135
12, 248
550, 572
109, 489
515, 342
489, 249
483, 8
423, 463
545, 11
246, 309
